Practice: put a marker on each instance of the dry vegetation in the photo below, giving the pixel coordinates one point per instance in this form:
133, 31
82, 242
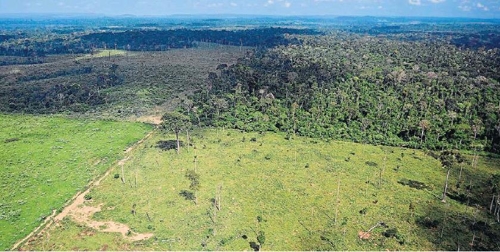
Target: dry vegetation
132, 84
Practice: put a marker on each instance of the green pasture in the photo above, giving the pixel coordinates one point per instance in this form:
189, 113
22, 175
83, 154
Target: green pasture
45, 160
298, 194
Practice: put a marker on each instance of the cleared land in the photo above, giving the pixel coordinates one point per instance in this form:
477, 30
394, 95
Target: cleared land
298, 194
104, 53
45, 160
112, 83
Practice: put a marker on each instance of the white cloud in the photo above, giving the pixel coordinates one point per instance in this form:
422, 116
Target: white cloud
437, 1
482, 6
464, 7
233, 4
214, 5
415, 2
288, 4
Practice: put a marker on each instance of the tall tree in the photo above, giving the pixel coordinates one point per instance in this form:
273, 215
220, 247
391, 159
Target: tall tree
424, 125
175, 122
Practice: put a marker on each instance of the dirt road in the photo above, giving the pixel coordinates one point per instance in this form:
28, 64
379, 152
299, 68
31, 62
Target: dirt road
83, 214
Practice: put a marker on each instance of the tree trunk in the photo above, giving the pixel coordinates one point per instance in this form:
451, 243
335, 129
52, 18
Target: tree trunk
123, 176
218, 197
492, 202
338, 200
422, 136
446, 186
195, 159
460, 174
187, 139
178, 144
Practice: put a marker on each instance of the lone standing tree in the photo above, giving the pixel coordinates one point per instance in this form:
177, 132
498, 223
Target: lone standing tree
175, 122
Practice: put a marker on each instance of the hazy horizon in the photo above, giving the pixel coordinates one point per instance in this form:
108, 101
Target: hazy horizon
398, 8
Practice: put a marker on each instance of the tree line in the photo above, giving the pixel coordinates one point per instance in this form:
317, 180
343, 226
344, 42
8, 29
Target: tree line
142, 40
418, 94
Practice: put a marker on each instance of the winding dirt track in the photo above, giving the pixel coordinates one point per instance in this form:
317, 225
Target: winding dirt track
83, 214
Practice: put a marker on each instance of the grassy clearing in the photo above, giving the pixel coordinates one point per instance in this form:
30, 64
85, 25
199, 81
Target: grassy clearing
45, 160
302, 194
104, 53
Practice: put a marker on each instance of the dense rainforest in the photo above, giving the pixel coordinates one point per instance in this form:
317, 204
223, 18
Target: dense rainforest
139, 40
419, 94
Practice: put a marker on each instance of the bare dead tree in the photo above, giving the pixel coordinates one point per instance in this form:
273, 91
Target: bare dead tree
218, 197
338, 200
443, 199
123, 176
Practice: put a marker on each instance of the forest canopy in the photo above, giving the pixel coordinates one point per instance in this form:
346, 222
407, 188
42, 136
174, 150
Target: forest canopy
143, 40
420, 94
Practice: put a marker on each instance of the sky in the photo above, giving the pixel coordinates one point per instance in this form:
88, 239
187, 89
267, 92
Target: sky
434, 8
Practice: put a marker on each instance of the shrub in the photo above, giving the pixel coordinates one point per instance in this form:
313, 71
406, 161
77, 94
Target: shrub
187, 195
391, 232
363, 211
261, 238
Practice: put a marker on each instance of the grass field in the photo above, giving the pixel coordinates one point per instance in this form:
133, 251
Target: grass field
45, 160
298, 194
104, 53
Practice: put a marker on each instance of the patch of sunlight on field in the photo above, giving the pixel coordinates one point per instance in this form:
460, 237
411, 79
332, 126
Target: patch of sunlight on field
104, 53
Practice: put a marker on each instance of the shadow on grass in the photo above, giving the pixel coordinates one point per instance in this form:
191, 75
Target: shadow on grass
449, 229
168, 145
